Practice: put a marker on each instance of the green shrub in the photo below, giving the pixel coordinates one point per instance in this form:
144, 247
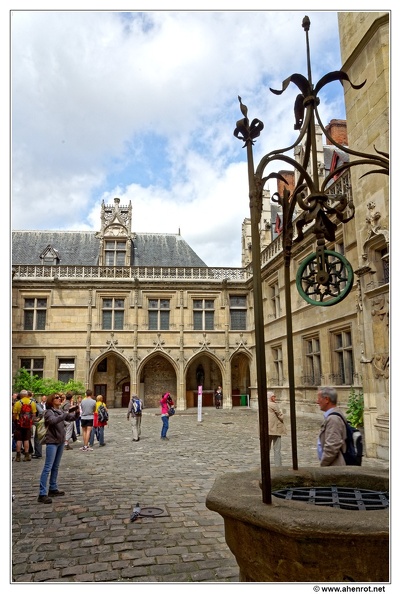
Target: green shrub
23, 380
355, 408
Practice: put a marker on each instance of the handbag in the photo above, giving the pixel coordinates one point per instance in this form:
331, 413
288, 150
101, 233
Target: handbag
171, 411
41, 430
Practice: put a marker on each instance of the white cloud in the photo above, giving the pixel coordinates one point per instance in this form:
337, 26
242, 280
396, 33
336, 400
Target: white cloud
94, 92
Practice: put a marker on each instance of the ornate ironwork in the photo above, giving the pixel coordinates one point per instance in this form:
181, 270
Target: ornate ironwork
326, 277
338, 497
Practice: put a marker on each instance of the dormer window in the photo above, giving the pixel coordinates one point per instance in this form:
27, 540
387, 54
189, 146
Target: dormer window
115, 252
50, 256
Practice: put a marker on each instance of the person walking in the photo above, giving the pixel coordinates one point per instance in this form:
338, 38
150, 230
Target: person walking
166, 403
54, 440
98, 424
277, 427
134, 413
333, 433
88, 406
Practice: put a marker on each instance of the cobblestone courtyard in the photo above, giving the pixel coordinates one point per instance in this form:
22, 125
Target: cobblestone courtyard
87, 536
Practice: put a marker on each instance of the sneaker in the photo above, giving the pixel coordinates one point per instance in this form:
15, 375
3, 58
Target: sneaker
84, 449
44, 499
89, 449
56, 493
101, 445
36, 456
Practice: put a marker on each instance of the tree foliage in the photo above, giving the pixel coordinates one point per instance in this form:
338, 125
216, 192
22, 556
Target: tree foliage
23, 380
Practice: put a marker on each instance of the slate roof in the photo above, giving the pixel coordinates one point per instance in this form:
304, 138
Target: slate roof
81, 248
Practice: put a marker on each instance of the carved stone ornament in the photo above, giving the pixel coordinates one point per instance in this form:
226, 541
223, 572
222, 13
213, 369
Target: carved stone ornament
381, 366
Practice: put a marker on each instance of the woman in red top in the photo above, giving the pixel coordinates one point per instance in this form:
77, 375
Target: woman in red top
165, 403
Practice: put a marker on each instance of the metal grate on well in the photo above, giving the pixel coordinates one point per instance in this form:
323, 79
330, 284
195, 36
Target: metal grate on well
339, 497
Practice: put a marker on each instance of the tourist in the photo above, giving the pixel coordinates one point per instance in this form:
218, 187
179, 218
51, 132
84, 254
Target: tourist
37, 445
333, 432
88, 406
54, 440
78, 420
218, 396
24, 415
69, 425
98, 425
166, 403
134, 413
276, 427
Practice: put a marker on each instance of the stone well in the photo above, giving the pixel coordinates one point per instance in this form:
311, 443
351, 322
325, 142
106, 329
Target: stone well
294, 541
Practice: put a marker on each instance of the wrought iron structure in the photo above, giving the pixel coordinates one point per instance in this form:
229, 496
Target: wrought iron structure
325, 277
337, 497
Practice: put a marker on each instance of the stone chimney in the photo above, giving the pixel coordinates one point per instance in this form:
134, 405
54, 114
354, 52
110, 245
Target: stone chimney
338, 131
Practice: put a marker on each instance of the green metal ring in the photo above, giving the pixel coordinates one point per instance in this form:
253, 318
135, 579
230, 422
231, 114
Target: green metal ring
348, 283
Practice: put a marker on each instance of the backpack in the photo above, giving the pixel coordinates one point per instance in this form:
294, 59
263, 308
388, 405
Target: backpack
26, 415
41, 430
102, 414
354, 452
136, 406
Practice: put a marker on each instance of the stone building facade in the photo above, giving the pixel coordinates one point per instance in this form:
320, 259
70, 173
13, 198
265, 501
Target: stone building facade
141, 313
364, 39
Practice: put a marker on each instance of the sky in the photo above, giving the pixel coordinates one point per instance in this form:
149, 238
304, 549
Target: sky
143, 105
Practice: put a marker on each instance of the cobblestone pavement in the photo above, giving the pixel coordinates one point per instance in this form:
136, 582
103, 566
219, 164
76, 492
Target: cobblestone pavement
87, 536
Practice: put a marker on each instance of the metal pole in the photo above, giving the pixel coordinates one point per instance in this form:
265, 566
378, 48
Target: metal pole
287, 243
255, 197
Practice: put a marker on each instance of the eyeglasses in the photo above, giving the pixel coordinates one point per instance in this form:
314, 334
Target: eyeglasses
57, 398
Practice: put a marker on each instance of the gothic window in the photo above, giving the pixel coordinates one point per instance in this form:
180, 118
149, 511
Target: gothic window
159, 314
277, 357
238, 312
115, 252
35, 313
66, 369
275, 300
203, 314
33, 365
113, 314
343, 363
312, 361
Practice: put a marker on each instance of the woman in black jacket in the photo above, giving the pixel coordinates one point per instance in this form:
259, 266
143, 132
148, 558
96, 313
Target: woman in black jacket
54, 440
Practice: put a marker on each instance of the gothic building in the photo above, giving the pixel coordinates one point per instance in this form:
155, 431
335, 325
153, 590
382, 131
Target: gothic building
127, 313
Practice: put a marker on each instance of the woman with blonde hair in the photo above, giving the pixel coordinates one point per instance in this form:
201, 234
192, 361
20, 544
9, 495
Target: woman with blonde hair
98, 425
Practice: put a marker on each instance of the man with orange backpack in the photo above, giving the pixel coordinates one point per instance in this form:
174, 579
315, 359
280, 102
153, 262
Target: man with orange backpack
24, 415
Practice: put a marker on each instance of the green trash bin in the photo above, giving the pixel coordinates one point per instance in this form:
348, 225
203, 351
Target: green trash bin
243, 400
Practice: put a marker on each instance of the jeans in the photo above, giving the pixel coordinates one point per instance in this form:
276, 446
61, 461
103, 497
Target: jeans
165, 425
54, 451
78, 425
99, 432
